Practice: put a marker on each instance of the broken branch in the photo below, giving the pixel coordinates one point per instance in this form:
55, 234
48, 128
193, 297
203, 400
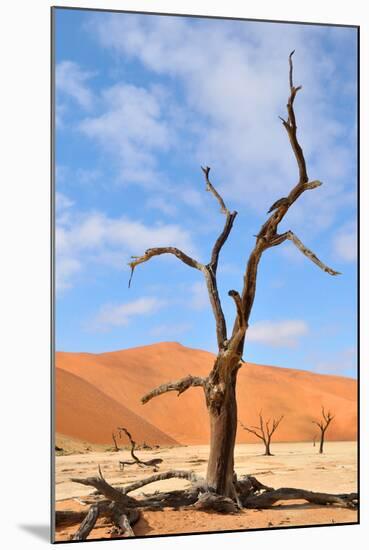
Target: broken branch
180, 386
309, 254
211, 188
268, 498
87, 524
151, 252
181, 474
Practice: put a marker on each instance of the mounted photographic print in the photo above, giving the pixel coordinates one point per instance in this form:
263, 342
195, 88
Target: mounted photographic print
205, 274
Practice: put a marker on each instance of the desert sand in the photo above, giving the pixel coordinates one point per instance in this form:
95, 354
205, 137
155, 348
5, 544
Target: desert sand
293, 465
96, 393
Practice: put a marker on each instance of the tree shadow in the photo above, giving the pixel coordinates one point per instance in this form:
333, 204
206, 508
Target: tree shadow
142, 527
300, 506
39, 531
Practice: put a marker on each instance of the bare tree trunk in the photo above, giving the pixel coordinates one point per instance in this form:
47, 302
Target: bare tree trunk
323, 424
222, 408
267, 449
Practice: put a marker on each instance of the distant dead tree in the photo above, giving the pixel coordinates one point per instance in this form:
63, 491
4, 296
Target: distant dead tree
116, 448
323, 426
141, 463
264, 431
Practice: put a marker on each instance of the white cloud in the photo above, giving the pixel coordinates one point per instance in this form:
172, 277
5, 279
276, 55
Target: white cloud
277, 333
236, 87
133, 128
94, 237
67, 269
62, 202
118, 315
162, 204
71, 80
345, 243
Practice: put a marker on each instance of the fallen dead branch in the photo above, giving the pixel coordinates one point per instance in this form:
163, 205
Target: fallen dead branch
154, 462
125, 510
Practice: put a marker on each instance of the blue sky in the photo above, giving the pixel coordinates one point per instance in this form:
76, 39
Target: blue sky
141, 103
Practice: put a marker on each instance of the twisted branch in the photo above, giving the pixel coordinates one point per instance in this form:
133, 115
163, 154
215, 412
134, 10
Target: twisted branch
179, 386
88, 523
111, 493
230, 217
268, 236
180, 474
151, 252
152, 462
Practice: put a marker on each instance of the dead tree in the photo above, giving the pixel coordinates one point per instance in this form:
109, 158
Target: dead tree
116, 448
123, 510
220, 385
264, 431
323, 426
153, 462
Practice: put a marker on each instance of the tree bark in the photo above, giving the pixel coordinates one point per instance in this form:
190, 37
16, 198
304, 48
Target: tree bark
221, 403
267, 449
321, 443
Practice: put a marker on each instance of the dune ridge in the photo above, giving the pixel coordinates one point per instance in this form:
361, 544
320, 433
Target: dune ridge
95, 393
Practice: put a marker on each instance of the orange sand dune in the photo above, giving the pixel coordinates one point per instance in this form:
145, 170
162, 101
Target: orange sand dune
106, 388
84, 412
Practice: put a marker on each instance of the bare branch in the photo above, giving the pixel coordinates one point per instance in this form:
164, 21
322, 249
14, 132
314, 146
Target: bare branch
211, 188
180, 386
328, 417
103, 487
230, 216
87, 524
132, 442
237, 300
220, 323
268, 498
116, 448
151, 252
262, 429
291, 127
312, 184
276, 423
152, 462
309, 254
181, 474
253, 431
291, 69
319, 424
222, 239
209, 270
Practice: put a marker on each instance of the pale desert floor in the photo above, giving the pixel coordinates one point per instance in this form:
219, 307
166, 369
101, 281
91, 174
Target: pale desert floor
293, 465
